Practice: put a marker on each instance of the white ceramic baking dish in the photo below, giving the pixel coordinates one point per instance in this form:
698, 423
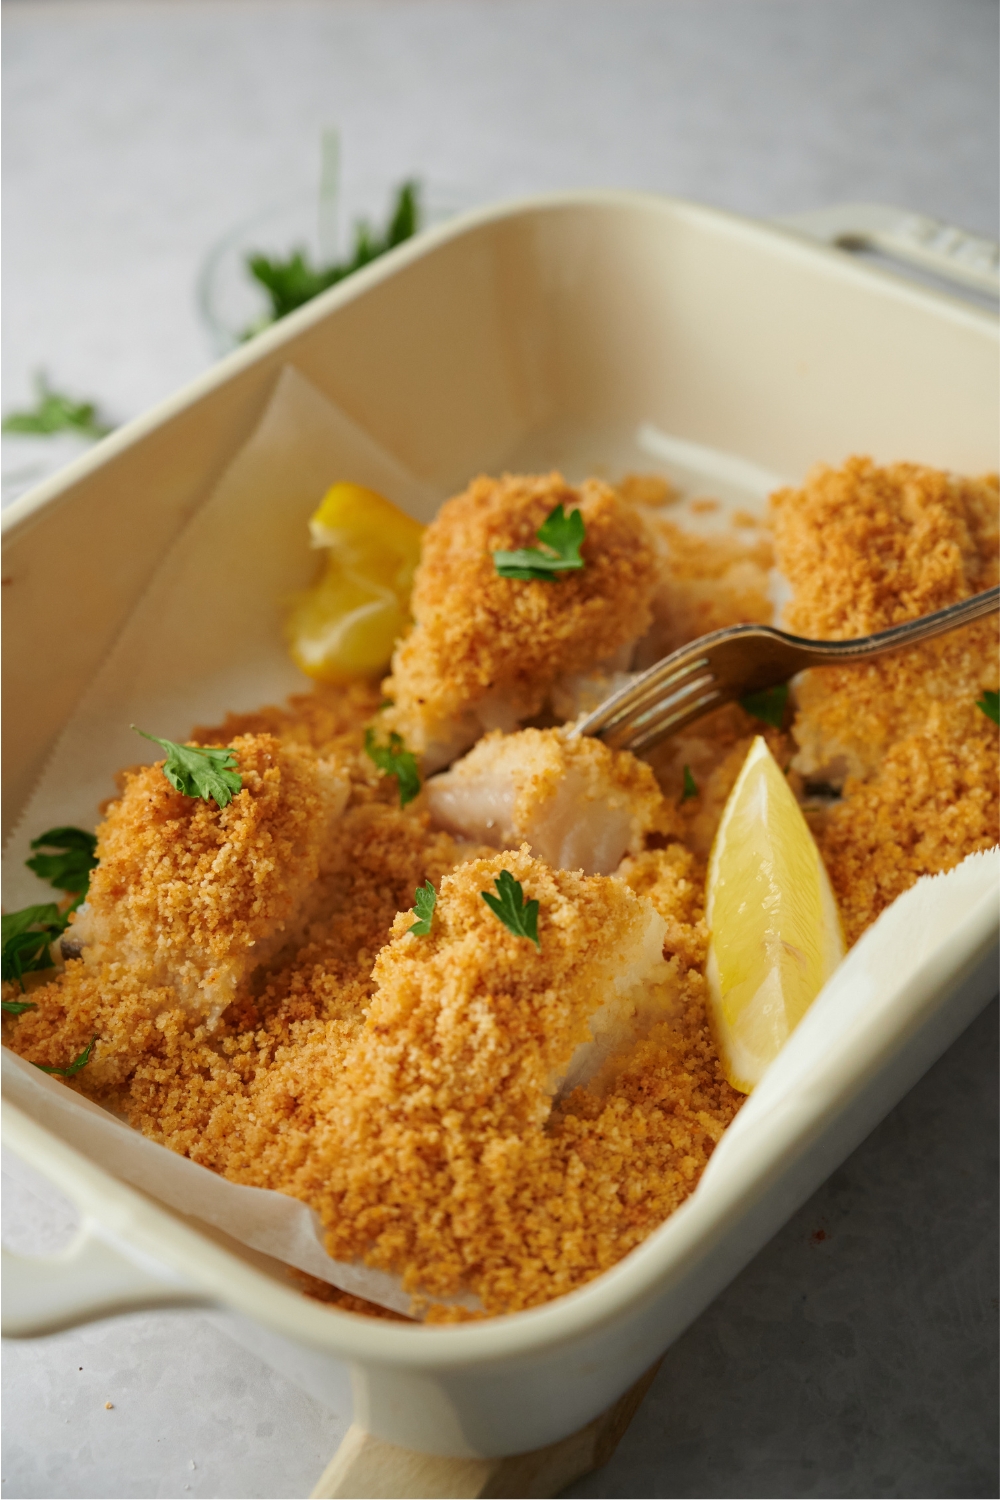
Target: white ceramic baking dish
514, 337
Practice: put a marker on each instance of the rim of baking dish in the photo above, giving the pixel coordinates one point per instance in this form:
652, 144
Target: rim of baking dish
703, 1220
791, 242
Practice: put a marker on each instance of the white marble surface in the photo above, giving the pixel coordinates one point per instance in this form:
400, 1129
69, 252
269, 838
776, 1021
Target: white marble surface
856, 1355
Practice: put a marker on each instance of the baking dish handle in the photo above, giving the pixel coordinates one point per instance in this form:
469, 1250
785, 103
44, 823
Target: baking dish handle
967, 259
90, 1280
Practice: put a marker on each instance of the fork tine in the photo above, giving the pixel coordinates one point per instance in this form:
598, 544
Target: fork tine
666, 724
741, 659
647, 691
644, 714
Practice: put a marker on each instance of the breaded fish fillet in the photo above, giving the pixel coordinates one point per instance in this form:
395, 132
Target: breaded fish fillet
470, 1035
485, 650
902, 737
866, 548
194, 896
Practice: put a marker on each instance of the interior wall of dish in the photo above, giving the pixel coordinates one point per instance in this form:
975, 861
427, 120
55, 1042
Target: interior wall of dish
517, 341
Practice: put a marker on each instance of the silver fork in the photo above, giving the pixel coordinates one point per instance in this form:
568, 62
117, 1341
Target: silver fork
744, 659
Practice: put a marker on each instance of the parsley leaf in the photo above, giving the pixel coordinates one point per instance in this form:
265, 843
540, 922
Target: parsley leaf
561, 535
293, 281
69, 870
516, 914
424, 900
690, 785
13, 923
27, 953
17, 1007
26, 936
56, 412
768, 706
75, 1065
199, 772
395, 760
990, 705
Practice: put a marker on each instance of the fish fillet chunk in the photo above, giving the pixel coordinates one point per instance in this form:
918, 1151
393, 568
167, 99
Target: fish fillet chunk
474, 1015
486, 651
196, 897
577, 804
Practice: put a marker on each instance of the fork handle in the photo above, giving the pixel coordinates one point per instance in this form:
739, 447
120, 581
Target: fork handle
898, 636
715, 669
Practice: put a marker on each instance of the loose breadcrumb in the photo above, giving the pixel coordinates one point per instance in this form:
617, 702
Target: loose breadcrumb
713, 749
329, 720
485, 650
647, 489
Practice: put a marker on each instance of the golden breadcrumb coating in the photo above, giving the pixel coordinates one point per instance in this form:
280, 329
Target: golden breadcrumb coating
673, 879
706, 583
713, 750
865, 548
329, 720
196, 896
577, 803
484, 645
440, 1150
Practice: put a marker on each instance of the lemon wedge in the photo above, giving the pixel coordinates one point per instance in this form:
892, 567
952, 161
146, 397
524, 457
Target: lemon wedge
345, 626
775, 933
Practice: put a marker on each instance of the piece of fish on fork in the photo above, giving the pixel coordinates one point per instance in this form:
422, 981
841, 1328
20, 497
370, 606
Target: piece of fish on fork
744, 659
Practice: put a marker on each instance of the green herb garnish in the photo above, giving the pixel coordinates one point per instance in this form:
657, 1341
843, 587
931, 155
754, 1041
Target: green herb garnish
199, 772
516, 914
395, 760
75, 1065
17, 1007
424, 900
293, 281
690, 785
990, 705
768, 706
26, 936
56, 412
70, 869
561, 535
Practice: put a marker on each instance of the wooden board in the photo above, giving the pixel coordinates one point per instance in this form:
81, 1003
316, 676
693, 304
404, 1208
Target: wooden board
367, 1468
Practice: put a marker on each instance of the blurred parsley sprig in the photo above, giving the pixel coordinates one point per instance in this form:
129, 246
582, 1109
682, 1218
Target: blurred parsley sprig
54, 412
293, 281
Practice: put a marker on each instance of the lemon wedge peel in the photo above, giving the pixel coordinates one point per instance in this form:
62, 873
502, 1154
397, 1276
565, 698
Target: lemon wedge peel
344, 628
775, 932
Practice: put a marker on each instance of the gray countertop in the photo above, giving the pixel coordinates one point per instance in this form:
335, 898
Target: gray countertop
856, 1355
